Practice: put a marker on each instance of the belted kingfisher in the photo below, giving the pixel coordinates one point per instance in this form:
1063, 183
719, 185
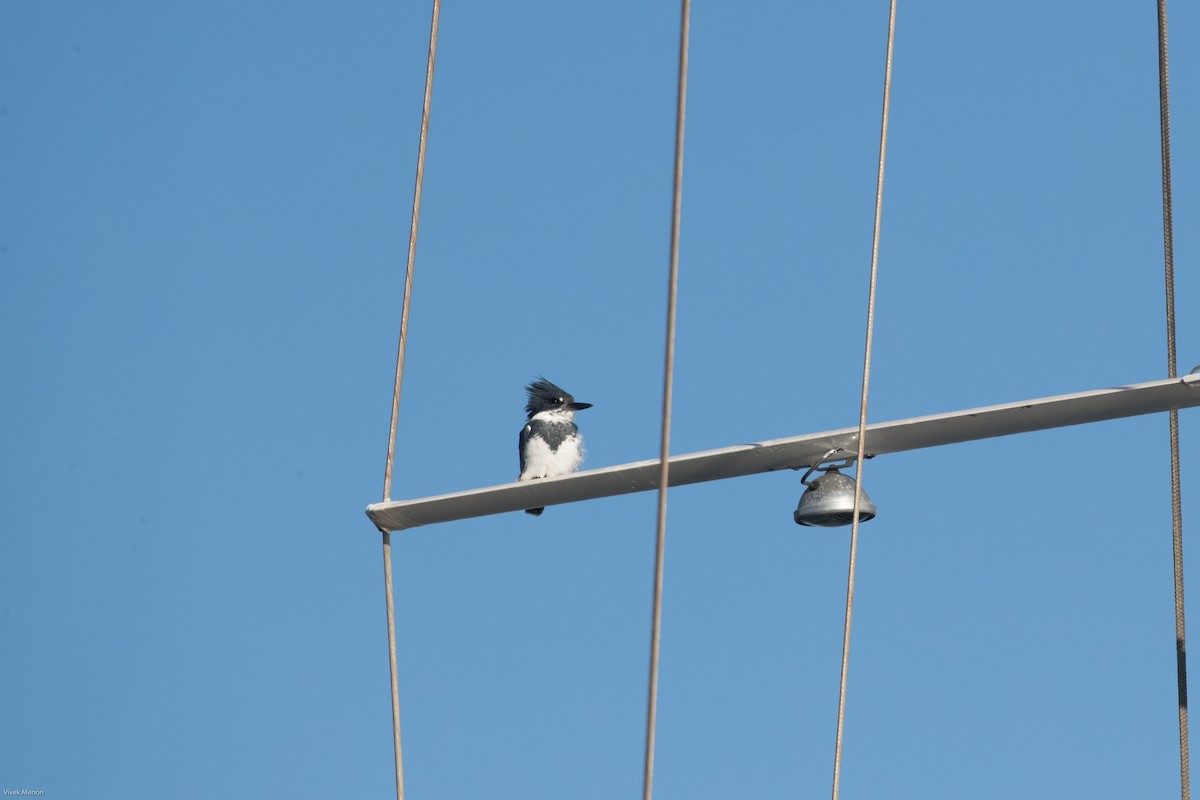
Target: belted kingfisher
550, 442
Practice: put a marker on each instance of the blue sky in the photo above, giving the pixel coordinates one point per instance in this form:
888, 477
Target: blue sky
203, 221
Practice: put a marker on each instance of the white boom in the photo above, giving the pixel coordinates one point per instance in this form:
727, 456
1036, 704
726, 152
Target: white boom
797, 452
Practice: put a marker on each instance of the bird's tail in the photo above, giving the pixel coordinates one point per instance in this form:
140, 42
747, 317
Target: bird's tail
537, 512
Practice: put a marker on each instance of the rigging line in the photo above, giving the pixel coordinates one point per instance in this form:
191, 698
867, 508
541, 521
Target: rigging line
391, 624
1164, 106
412, 252
400, 352
668, 372
862, 413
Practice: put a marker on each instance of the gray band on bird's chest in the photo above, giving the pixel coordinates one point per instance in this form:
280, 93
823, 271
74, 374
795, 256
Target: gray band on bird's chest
554, 433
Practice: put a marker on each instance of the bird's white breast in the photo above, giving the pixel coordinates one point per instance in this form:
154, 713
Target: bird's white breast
542, 462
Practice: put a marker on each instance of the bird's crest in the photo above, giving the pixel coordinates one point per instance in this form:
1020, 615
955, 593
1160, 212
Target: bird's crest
544, 394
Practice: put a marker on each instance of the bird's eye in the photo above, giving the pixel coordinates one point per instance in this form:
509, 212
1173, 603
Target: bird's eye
557, 401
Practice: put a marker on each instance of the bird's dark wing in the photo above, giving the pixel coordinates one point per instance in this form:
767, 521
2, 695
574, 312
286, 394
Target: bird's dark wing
521, 446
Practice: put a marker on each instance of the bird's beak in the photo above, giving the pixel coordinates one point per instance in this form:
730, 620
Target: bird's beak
580, 406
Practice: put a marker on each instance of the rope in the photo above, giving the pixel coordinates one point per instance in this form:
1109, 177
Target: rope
391, 623
412, 252
862, 412
391, 452
1164, 107
668, 372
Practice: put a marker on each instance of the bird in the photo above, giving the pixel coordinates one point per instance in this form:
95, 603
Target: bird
550, 442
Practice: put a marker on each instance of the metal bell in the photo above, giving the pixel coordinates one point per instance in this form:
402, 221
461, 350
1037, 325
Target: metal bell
828, 502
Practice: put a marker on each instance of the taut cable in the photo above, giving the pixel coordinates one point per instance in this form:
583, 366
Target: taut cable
400, 351
862, 412
668, 372
1164, 109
